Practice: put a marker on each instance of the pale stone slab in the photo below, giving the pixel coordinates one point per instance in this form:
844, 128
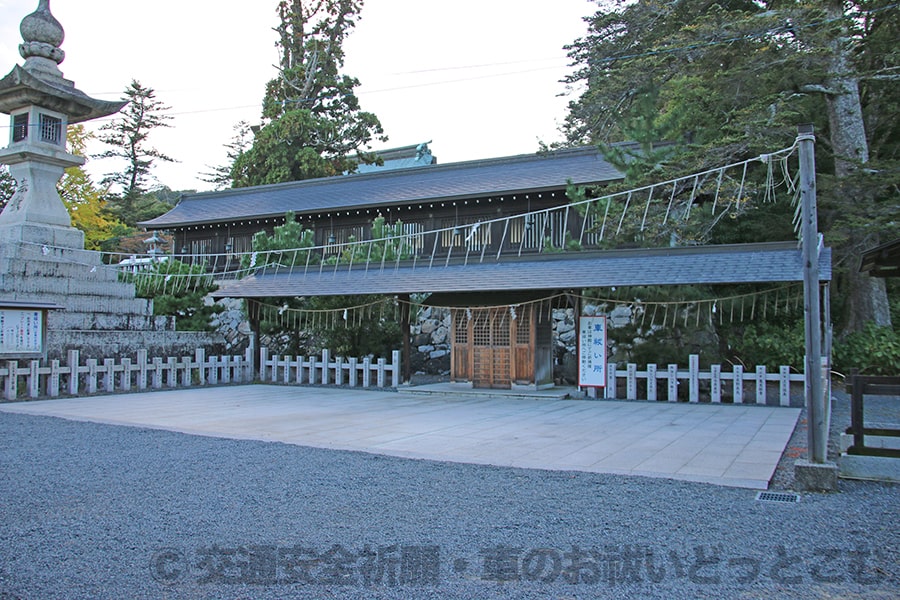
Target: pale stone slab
542, 433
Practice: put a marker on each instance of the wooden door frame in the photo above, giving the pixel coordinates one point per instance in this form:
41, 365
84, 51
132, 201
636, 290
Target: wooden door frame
515, 370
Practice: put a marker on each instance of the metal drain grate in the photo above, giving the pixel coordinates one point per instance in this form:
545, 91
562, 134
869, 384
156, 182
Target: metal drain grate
782, 497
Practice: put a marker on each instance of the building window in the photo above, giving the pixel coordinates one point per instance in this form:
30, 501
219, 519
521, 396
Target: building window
336, 238
535, 231
461, 326
469, 233
523, 325
51, 129
20, 127
591, 235
242, 244
200, 249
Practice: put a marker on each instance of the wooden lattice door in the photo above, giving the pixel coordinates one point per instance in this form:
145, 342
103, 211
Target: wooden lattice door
491, 352
460, 349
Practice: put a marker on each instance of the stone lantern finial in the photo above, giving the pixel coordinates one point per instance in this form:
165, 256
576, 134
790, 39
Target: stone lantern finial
42, 36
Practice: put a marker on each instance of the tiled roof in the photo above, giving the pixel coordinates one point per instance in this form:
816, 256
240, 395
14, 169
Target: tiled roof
882, 261
452, 181
405, 157
739, 263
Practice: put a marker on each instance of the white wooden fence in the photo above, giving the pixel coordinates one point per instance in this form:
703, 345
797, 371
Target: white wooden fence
108, 375
720, 380
37, 378
338, 370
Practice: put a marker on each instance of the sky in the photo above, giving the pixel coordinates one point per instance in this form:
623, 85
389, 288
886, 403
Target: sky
476, 78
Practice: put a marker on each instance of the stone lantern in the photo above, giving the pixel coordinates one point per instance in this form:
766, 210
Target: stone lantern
41, 104
86, 306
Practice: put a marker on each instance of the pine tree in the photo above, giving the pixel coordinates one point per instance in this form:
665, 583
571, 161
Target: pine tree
128, 136
220, 176
734, 79
313, 125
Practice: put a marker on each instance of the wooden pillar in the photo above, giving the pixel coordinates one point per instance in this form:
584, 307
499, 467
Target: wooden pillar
253, 317
816, 405
406, 355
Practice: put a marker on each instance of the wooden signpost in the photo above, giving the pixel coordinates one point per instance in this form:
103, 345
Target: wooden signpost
23, 329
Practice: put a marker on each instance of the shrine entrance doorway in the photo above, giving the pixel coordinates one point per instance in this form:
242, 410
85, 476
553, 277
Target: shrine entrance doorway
501, 347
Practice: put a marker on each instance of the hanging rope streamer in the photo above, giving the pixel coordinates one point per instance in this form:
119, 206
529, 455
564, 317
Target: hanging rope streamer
533, 230
739, 308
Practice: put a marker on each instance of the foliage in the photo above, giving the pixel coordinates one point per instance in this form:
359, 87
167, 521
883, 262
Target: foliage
893, 288
135, 209
729, 80
7, 186
771, 343
659, 333
124, 241
220, 176
178, 289
271, 249
649, 152
874, 351
709, 69
377, 336
85, 202
128, 134
388, 244
667, 345
291, 244
569, 244
313, 124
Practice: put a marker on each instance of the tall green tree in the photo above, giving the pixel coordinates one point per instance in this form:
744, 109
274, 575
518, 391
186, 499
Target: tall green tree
220, 176
313, 125
128, 135
732, 79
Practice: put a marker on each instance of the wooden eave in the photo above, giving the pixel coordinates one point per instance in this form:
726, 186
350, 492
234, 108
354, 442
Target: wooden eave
725, 264
882, 261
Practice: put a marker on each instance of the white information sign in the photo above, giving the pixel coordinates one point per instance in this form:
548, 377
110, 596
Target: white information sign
21, 331
592, 351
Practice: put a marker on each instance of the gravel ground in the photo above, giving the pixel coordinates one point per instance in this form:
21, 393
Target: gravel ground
99, 511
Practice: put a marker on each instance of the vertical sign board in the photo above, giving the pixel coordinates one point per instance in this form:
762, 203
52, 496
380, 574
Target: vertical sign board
22, 332
592, 351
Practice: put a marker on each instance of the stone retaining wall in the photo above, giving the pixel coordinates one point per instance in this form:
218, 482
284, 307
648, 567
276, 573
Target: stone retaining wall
430, 336
430, 341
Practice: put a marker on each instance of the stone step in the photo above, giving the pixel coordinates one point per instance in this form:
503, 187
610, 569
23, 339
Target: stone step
87, 304
95, 304
63, 320
49, 268
39, 286
466, 390
30, 251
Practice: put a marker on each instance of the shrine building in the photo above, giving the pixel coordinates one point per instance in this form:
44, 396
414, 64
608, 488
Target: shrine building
487, 238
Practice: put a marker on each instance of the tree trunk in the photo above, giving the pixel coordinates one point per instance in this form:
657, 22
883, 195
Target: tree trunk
867, 300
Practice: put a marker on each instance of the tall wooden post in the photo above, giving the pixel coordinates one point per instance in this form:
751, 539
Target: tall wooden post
253, 309
406, 356
815, 397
